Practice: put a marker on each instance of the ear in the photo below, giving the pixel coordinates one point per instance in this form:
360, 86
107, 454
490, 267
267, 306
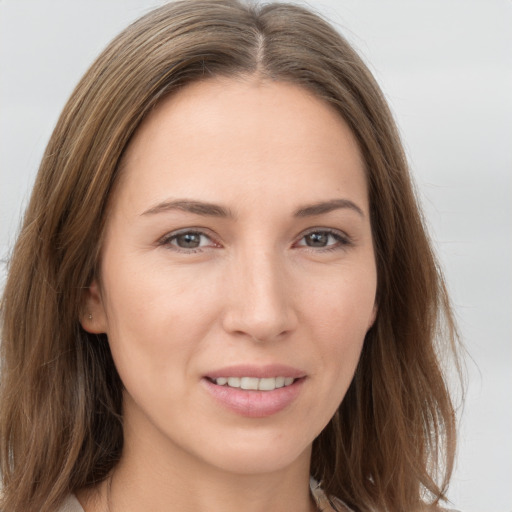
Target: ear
93, 317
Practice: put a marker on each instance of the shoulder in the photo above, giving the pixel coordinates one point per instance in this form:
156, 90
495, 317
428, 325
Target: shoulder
437, 508
325, 503
70, 504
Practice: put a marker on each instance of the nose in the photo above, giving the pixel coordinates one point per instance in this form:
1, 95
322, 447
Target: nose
259, 302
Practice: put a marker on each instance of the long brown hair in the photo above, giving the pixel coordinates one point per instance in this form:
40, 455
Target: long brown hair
391, 444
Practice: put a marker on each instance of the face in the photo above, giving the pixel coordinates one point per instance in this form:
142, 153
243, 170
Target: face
237, 275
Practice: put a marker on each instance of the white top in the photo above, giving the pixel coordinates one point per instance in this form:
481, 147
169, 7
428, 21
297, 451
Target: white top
71, 504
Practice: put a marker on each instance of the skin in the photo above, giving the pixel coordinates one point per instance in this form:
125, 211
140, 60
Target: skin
260, 288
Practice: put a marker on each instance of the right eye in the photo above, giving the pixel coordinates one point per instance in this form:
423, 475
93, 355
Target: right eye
187, 241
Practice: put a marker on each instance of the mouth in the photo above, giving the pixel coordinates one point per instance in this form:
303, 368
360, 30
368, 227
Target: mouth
254, 383
255, 391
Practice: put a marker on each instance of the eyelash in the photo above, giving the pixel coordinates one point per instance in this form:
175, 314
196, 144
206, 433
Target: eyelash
342, 240
167, 240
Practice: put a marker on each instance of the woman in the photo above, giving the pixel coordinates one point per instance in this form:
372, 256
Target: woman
223, 286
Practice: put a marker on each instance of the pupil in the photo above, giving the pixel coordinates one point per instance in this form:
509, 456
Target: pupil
317, 239
188, 240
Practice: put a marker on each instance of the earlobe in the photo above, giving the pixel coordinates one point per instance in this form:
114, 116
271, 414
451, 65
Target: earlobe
93, 317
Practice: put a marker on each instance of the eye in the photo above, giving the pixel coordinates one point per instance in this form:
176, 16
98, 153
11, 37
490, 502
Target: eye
187, 241
323, 239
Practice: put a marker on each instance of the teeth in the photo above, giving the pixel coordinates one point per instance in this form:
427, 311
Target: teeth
233, 382
267, 384
280, 382
253, 383
249, 383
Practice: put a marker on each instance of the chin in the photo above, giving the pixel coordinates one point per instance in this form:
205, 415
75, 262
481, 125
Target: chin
264, 464
258, 457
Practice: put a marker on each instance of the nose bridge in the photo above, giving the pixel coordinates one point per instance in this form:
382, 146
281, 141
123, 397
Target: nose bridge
260, 305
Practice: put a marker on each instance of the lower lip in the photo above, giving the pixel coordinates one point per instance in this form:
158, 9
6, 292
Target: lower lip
254, 404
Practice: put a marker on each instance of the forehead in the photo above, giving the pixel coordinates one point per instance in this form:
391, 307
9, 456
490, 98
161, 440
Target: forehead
252, 136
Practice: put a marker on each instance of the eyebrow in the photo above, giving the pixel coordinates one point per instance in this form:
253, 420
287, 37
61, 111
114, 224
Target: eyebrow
326, 207
186, 205
215, 210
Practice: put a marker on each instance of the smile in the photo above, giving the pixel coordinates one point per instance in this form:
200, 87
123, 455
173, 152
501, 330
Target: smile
254, 397
254, 383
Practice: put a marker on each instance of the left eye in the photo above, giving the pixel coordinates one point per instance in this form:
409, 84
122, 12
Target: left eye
188, 240
321, 239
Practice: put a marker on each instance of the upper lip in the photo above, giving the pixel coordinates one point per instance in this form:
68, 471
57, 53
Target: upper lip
260, 372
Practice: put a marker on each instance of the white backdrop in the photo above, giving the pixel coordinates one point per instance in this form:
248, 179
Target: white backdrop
446, 68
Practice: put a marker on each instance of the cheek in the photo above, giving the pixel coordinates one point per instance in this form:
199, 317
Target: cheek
345, 301
337, 318
156, 322
340, 315
144, 293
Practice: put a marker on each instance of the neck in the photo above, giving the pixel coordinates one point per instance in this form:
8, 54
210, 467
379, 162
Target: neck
161, 477
134, 491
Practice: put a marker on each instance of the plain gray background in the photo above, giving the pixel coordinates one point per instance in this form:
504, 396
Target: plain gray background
446, 68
